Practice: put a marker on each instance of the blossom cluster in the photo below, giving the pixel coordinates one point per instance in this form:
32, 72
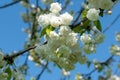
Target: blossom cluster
90, 40
115, 49
54, 18
118, 37
95, 5
103, 4
61, 47
114, 77
89, 46
78, 77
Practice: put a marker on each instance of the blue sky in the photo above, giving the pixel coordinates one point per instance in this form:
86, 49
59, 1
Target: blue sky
12, 38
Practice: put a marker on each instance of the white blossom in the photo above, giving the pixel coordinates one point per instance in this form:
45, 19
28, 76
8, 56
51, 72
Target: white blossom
118, 37
3, 76
53, 35
93, 14
33, 6
72, 39
63, 50
65, 73
115, 50
55, 21
18, 76
114, 77
30, 58
79, 77
43, 20
99, 38
41, 49
85, 38
89, 48
64, 30
97, 35
103, 4
55, 8
109, 12
106, 4
32, 78
94, 4
66, 18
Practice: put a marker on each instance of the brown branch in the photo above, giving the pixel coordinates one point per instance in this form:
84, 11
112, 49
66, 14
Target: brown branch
10, 4
12, 56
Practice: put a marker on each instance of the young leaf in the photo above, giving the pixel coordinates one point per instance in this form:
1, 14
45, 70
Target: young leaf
84, 13
43, 32
98, 25
49, 29
83, 28
46, 30
8, 70
77, 29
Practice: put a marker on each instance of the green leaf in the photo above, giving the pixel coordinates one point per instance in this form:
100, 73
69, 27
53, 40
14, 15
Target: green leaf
43, 32
49, 29
8, 70
83, 28
98, 25
77, 29
84, 13
46, 30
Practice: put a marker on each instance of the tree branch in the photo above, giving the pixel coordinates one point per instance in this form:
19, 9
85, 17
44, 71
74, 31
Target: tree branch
40, 74
10, 4
12, 56
105, 63
109, 26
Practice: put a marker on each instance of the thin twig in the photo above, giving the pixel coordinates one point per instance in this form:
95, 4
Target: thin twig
105, 63
10, 4
79, 14
109, 26
37, 3
40, 74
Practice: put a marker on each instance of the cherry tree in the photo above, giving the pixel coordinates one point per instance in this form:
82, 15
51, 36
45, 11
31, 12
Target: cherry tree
63, 38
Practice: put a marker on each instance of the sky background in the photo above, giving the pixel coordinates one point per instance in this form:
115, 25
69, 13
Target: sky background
12, 38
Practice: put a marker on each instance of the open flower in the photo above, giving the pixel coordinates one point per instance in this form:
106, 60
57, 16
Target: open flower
93, 14
55, 8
